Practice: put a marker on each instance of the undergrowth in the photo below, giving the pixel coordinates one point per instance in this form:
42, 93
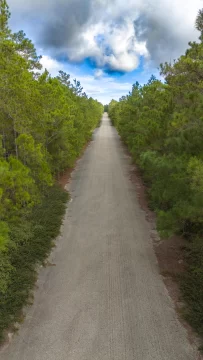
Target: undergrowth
192, 285
32, 240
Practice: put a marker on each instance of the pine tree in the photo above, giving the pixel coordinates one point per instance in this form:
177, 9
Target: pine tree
4, 17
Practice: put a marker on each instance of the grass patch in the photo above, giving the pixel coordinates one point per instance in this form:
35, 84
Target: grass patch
32, 239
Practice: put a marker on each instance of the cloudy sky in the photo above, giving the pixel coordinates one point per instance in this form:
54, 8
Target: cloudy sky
107, 44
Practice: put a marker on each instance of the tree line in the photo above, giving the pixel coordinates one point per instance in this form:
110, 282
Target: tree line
44, 124
162, 125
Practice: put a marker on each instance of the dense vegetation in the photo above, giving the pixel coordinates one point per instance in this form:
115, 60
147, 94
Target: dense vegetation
44, 124
106, 108
162, 125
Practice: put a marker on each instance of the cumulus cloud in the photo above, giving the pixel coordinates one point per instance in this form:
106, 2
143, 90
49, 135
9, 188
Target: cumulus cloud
113, 34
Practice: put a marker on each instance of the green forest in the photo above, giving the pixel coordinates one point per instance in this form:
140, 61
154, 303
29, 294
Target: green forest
162, 125
46, 121
44, 124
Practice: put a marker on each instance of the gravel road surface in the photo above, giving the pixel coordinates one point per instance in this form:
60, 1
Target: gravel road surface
103, 297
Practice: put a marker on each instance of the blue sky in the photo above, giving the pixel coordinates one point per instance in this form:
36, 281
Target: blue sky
107, 44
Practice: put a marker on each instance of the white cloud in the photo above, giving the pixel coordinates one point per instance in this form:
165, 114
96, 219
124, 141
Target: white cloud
98, 73
126, 49
104, 88
50, 64
113, 33
111, 46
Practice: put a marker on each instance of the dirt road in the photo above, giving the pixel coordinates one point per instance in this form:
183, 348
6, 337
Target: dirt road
103, 298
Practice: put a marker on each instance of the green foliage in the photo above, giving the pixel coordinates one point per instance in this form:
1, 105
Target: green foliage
4, 235
32, 236
4, 17
34, 157
17, 188
44, 124
192, 284
162, 125
106, 108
